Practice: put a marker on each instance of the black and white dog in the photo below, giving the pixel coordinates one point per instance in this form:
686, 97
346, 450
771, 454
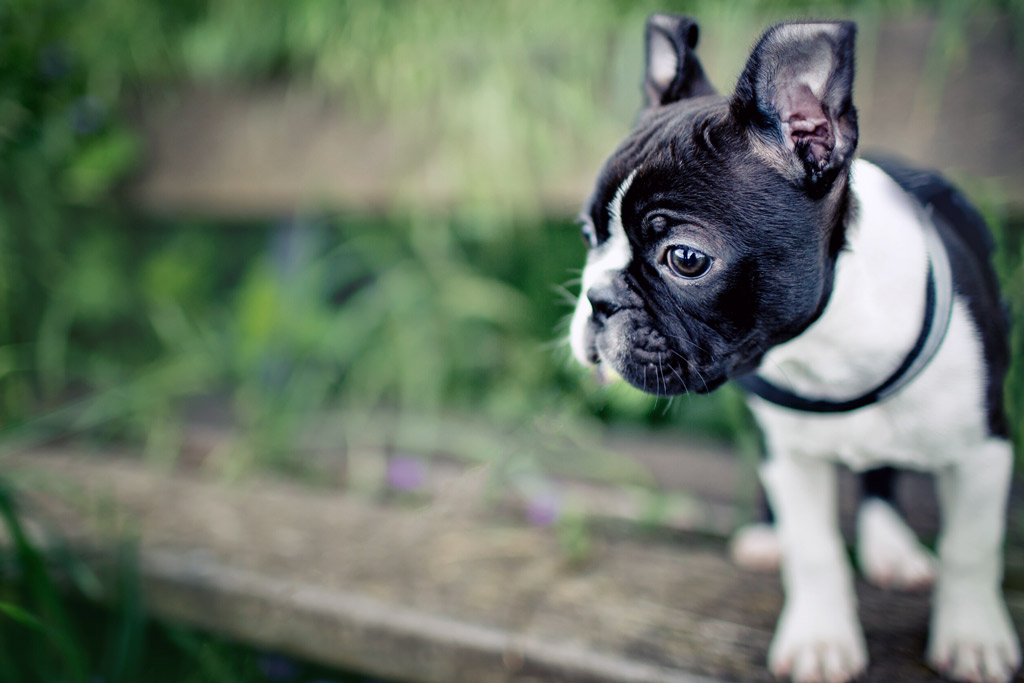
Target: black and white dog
738, 237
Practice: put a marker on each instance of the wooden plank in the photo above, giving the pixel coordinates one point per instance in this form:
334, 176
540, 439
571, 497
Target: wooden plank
273, 150
387, 639
445, 588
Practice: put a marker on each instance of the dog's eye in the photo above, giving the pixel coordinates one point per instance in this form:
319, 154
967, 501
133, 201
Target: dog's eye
687, 262
588, 234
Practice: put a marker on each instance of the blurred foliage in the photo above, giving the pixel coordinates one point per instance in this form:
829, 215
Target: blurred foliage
425, 313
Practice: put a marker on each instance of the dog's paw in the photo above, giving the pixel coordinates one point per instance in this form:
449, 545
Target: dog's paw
972, 638
888, 553
815, 644
756, 547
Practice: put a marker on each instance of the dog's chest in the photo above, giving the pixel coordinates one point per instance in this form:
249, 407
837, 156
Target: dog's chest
933, 422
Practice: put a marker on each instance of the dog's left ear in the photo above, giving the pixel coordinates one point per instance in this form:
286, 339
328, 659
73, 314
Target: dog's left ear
673, 71
795, 98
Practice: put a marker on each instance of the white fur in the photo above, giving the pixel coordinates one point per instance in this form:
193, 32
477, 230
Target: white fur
888, 552
756, 547
936, 423
972, 637
663, 62
818, 636
603, 264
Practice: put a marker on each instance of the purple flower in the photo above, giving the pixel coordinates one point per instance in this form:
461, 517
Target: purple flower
406, 473
543, 508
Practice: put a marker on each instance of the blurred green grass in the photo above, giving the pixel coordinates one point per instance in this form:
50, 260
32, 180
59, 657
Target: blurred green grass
111, 320
411, 310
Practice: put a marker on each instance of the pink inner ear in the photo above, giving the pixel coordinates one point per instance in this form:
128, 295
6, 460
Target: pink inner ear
807, 128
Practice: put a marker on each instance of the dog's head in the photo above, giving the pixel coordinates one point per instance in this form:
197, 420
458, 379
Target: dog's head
714, 228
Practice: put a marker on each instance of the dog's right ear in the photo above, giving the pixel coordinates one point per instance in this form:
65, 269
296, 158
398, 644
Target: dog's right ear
795, 97
673, 71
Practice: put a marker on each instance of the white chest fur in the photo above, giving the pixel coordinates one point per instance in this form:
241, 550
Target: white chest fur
870, 323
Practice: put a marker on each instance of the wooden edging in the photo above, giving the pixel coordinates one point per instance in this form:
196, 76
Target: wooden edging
349, 630
438, 588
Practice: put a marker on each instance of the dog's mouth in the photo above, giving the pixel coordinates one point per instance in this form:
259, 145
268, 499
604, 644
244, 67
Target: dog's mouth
628, 347
662, 376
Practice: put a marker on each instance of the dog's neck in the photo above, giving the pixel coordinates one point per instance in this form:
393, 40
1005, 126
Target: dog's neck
874, 313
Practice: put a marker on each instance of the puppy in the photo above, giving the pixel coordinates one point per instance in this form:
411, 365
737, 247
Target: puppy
737, 237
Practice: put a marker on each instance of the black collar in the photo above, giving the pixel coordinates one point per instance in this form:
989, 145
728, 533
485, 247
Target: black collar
937, 311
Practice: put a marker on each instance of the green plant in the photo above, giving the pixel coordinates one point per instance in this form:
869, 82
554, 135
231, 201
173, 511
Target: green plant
38, 632
416, 311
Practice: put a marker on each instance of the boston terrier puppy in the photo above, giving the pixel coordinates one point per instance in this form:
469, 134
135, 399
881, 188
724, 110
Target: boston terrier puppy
738, 237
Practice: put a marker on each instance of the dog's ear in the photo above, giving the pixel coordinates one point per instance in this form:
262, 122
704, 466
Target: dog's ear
673, 70
795, 97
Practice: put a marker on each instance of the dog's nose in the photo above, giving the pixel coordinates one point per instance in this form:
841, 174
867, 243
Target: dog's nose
602, 302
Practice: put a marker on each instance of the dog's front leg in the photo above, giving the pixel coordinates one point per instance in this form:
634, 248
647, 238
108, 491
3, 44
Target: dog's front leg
818, 637
972, 637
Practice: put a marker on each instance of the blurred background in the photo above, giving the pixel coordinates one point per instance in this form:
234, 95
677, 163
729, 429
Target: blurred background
246, 237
